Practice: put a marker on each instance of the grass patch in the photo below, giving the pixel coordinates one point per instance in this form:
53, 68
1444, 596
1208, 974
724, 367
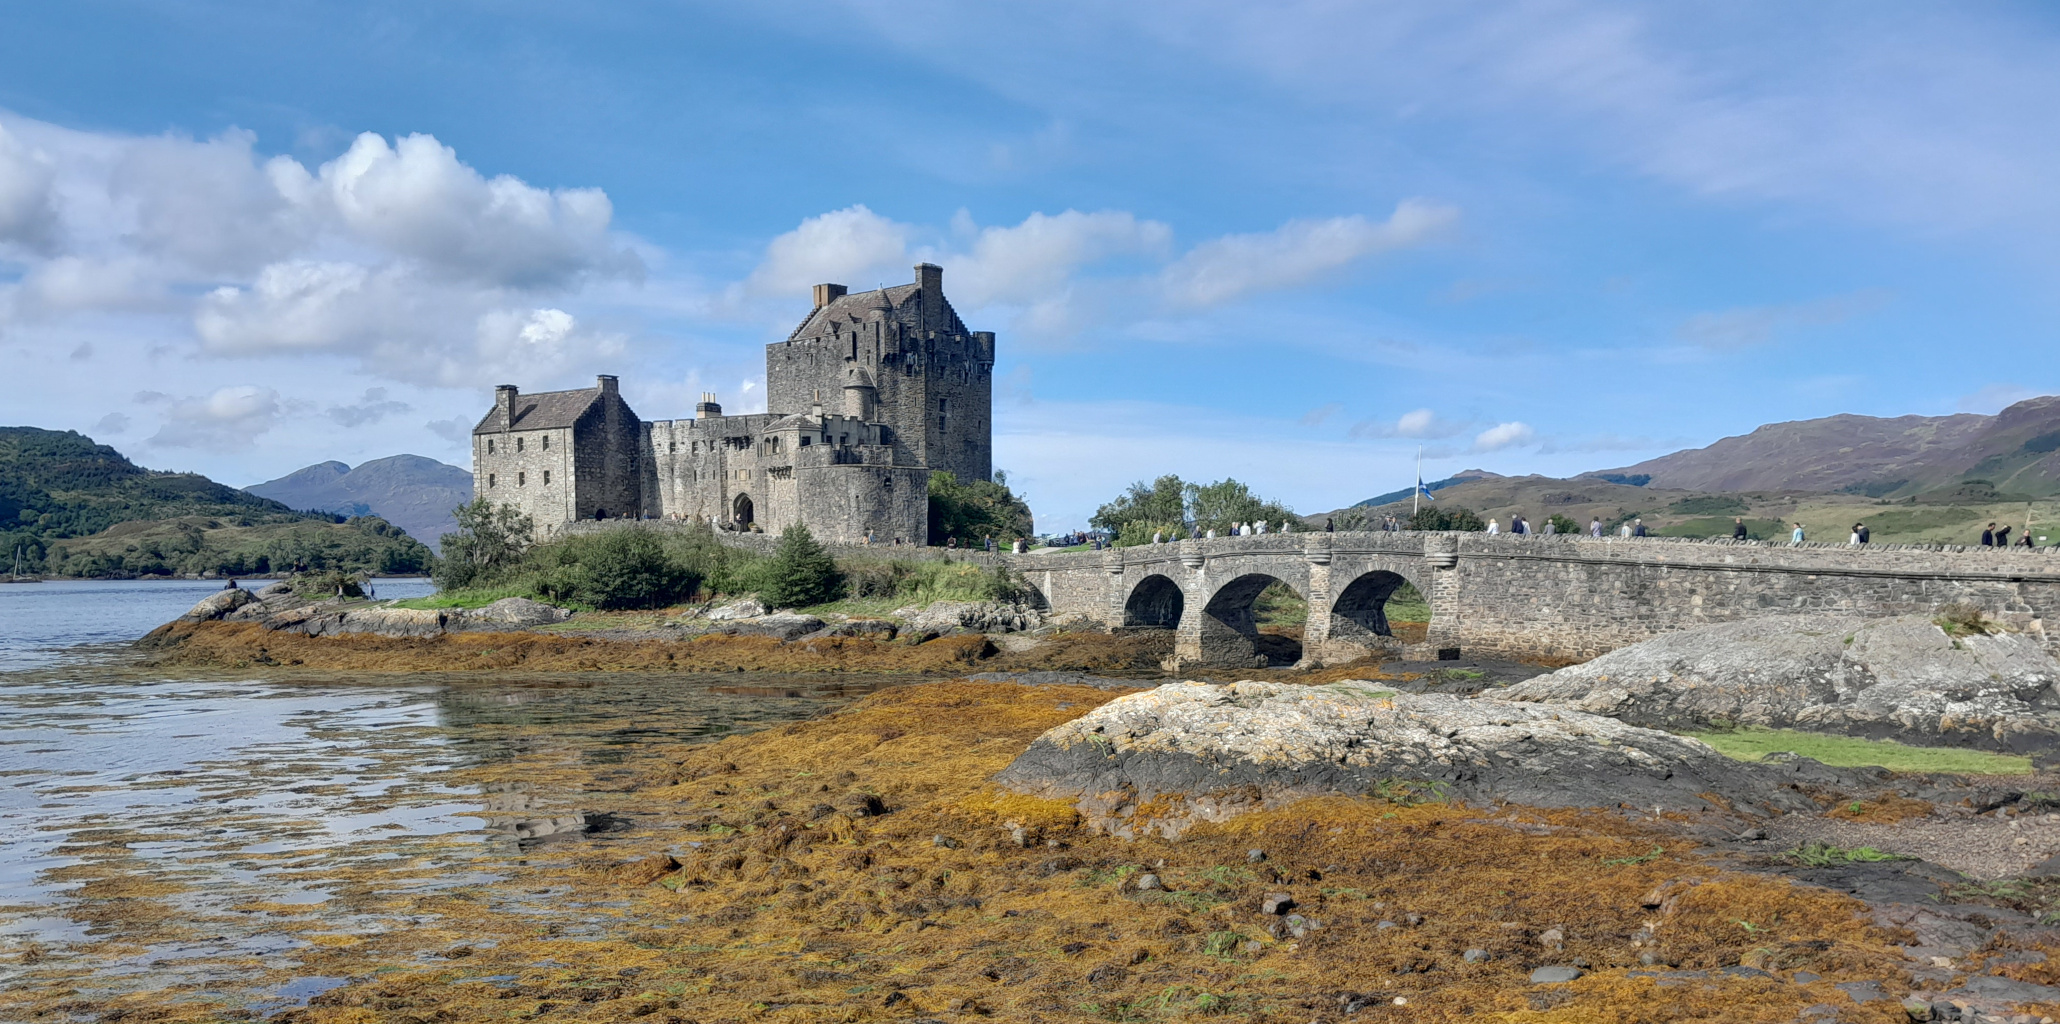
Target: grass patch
1825, 855
1851, 752
479, 598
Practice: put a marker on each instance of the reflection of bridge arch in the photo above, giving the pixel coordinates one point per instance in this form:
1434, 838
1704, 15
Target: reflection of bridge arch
1155, 603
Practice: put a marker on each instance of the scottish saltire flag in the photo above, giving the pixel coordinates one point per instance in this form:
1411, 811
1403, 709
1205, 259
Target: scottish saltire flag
1425, 491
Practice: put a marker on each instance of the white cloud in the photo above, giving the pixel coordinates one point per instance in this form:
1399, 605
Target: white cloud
112, 423
1995, 398
1503, 435
457, 430
1294, 255
1051, 274
842, 246
415, 199
1421, 424
372, 408
229, 419
28, 217
1747, 326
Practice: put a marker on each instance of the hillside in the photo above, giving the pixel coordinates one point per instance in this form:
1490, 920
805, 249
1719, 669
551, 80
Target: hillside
72, 507
2017, 451
409, 491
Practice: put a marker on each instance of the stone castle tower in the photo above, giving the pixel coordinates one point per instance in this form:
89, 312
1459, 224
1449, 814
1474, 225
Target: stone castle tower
869, 395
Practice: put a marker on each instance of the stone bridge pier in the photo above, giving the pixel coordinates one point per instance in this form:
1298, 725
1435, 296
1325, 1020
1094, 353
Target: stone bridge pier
1562, 598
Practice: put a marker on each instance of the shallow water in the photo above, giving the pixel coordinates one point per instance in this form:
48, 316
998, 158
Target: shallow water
194, 829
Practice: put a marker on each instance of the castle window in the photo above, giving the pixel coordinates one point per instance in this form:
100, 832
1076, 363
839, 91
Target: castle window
521, 479
518, 444
547, 446
547, 478
489, 479
673, 446
943, 411
805, 440
489, 447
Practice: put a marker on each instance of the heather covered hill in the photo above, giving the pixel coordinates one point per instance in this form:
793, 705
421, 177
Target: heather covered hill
75, 508
2017, 451
409, 491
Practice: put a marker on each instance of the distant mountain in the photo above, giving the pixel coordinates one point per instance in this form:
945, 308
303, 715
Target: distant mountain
1460, 477
409, 491
76, 508
2017, 451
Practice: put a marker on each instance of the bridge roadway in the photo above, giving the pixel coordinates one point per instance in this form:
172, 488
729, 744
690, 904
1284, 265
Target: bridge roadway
1559, 597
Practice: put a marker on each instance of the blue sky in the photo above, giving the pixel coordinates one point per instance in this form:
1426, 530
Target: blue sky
1288, 243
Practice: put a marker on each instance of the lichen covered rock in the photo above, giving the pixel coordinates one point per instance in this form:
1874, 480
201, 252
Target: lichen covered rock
1186, 752
218, 605
1899, 678
943, 618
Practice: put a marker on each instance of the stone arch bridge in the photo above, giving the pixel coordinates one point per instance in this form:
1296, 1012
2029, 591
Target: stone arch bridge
1557, 597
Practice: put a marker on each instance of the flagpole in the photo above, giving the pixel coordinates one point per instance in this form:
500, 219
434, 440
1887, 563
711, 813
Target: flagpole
1416, 496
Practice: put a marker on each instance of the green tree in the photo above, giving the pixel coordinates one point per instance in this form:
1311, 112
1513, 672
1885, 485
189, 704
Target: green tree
490, 539
1226, 503
1451, 517
629, 568
1160, 504
976, 510
800, 572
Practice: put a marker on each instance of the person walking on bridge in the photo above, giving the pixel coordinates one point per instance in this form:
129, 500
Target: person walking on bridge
1595, 526
1737, 527
1797, 536
1494, 527
1988, 536
2003, 536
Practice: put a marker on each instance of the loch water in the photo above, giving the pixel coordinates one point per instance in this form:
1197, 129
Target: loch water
156, 827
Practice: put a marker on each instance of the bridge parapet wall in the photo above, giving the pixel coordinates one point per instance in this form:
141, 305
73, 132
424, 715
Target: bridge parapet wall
1559, 597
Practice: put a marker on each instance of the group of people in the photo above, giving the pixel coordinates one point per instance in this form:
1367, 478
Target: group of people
1993, 536
1255, 528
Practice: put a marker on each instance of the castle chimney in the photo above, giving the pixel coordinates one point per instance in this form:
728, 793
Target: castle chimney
504, 404
930, 292
930, 277
707, 407
828, 293
606, 382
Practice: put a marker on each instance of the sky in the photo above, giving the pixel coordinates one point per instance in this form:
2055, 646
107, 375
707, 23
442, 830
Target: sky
1291, 243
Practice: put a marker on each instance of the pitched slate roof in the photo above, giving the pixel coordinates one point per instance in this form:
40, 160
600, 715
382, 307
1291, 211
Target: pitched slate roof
855, 308
544, 410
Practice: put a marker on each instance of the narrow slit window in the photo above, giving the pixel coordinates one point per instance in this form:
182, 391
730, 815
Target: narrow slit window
547, 478
521, 479
489, 479
489, 447
518, 444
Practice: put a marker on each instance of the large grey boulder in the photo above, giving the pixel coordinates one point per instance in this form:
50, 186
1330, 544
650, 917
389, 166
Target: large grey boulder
780, 625
1903, 678
942, 618
218, 605
743, 608
509, 613
1201, 752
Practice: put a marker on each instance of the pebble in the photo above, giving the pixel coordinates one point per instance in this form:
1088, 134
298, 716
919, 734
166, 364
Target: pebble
1552, 937
1300, 926
1255, 856
1554, 975
944, 841
1149, 883
1384, 926
1276, 903
1474, 956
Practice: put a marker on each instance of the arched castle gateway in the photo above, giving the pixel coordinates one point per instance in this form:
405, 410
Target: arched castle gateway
868, 395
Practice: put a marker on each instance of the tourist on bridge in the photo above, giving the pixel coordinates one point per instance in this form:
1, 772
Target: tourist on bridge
1988, 536
1551, 528
1595, 527
1328, 526
1866, 534
1494, 527
2026, 542
1637, 527
1737, 527
1797, 536
2002, 537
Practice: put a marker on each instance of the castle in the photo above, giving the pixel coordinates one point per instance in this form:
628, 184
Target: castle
869, 395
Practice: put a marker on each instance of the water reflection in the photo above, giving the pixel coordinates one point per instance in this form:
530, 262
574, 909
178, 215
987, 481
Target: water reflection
167, 830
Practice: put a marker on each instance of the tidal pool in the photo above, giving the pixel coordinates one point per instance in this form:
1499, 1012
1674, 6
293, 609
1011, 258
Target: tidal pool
191, 833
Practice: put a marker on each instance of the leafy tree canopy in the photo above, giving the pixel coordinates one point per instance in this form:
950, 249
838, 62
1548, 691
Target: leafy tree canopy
1448, 517
976, 510
800, 572
1172, 506
490, 538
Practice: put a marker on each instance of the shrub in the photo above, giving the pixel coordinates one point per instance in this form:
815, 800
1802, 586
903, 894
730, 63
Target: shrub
1453, 517
328, 584
630, 569
1962, 619
800, 572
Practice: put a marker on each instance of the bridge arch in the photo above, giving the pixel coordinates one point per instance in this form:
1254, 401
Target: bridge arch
1359, 624
1229, 630
1155, 603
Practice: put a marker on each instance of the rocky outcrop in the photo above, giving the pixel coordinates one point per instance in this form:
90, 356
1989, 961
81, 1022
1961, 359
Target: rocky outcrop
278, 609
780, 625
1187, 752
944, 618
1903, 678
219, 605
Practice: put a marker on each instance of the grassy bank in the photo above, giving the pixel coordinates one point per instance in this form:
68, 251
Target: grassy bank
1853, 752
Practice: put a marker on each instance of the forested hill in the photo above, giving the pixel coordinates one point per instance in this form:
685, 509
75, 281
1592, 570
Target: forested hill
61, 495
